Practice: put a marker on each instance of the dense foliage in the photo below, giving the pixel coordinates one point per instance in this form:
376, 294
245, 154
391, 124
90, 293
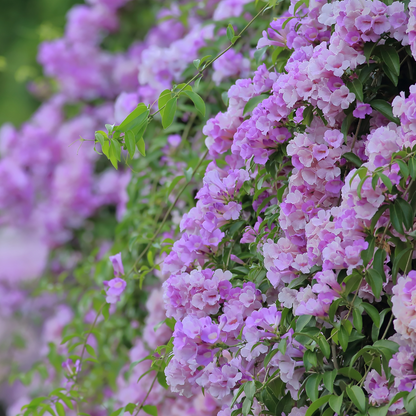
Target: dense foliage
261, 159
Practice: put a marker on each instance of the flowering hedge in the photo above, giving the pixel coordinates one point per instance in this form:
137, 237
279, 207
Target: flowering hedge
262, 166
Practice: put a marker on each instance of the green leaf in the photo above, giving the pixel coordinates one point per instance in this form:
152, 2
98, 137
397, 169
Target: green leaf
377, 216
60, 409
391, 75
282, 346
298, 5
396, 218
150, 409
378, 411
253, 102
225, 98
356, 87
368, 49
345, 126
66, 400
360, 186
333, 309
105, 311
375, 280
412, 167
351, 373
69, 337
100, 138
384, 108
357, 396
141, 146
312, 386
404, 170
353, 158
161, 378
398, 259
357, 320
169, 113
258, 55
328, 412
134, 119
246, 406
309, 360
366, 71
389, 57
373, 313
329, 379
343, 338
386, 180
317, 404
324, 346
230, 32
407, 212
90, 350
307, 115
378, 262
198, 102
173, 184
164, 97
130, 142
113, 153
269, 356
302, 322
250, 389
368, 253
118, 411
281, 59
196, 63
336, 402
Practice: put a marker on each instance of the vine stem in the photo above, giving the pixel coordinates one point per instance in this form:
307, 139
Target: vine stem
167, 214
147, 395
356, 134
201, 71
85, 346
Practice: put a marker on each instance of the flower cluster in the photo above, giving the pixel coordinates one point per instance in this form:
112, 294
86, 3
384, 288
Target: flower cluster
287, 273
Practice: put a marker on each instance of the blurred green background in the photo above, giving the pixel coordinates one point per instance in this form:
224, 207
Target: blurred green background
23, 25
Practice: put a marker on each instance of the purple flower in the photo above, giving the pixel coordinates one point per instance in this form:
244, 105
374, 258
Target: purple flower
117, 265
115, 287
362, 110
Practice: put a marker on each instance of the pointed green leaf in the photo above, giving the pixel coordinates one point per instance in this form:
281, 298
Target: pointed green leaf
134, 119
312, 386
357, 320
253, 102
336, 402
324, 346
60, 409
230, 32
373, 313
164, 97
375, 280
356, 88
384, 108
141, 146
130, 141
407, 212
317, 404
169, 113
357, 396
353, 158
150, 409
198, 102
329, 379
389, 57
396, 218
